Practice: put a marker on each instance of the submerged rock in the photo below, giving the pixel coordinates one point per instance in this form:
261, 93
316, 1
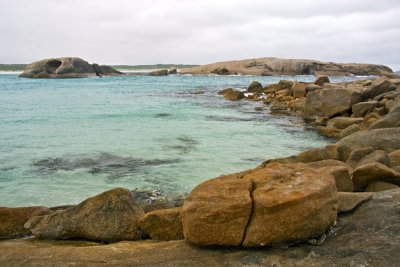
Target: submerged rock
110, 216
12, 220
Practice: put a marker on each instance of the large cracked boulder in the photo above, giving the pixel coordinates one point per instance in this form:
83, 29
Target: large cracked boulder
12, 220
110, 216
66, 67
279, 203
329, 102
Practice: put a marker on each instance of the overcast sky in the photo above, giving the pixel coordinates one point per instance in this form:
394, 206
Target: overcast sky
200, 31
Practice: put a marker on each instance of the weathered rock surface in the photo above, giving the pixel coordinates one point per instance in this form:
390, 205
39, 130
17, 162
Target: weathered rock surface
297, 201
363, 108
299, 89
371, 172
66, 67
380, 186
380, 156
394, 158
12, 220
344, 122
234, 95
159, 73
350, 130
225, 91
378, 86
379, 139
321, 79
329, 102
110, 216
255, 87
349, 201
217, 211
278, 66
342, 177
367, 236
163, 224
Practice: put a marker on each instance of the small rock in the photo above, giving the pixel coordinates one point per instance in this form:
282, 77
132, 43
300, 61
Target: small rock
234, 95
344, 122
394, 158
163, 224
363, 108
159, 73
255, 87
349, 201
380, 186
321, 80
225, 91
350, 130
371, 172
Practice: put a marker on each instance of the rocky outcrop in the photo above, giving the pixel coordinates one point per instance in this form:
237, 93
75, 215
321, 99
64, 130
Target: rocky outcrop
12, 220
297, 202
110, 216
367, 236
66, 67
278, 66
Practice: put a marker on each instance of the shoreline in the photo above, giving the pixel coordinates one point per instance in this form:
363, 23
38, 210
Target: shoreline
367, 152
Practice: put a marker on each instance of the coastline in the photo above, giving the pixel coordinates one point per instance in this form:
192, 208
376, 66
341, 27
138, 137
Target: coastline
334, 159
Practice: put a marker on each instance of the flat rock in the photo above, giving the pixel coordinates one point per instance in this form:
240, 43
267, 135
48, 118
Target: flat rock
380, 186
371, 172
349, 201
163, 224
110, 216
12, 220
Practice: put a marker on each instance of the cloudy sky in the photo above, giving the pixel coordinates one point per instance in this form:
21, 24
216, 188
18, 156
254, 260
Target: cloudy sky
200, 31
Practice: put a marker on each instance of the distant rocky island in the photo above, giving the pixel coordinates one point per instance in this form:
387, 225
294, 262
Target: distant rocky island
270, 66
67, 67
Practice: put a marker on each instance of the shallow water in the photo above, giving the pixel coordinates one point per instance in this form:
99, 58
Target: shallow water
63, 140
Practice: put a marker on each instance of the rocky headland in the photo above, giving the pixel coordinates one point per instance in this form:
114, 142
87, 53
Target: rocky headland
67, 67
270, 66
331, 206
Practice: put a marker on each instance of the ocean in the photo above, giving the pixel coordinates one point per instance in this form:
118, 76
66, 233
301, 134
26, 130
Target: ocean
63, 140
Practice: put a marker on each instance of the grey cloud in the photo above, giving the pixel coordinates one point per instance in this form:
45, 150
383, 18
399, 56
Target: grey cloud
193, 31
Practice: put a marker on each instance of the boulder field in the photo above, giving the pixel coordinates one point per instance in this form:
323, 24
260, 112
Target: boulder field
331, 206
67, 67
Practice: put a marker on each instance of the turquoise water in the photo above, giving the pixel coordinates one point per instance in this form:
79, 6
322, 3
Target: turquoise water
63, 140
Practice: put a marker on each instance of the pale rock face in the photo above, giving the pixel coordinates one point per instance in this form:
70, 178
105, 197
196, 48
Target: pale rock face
279, 66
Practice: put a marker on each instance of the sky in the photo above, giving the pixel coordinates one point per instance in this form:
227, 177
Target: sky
200, 31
